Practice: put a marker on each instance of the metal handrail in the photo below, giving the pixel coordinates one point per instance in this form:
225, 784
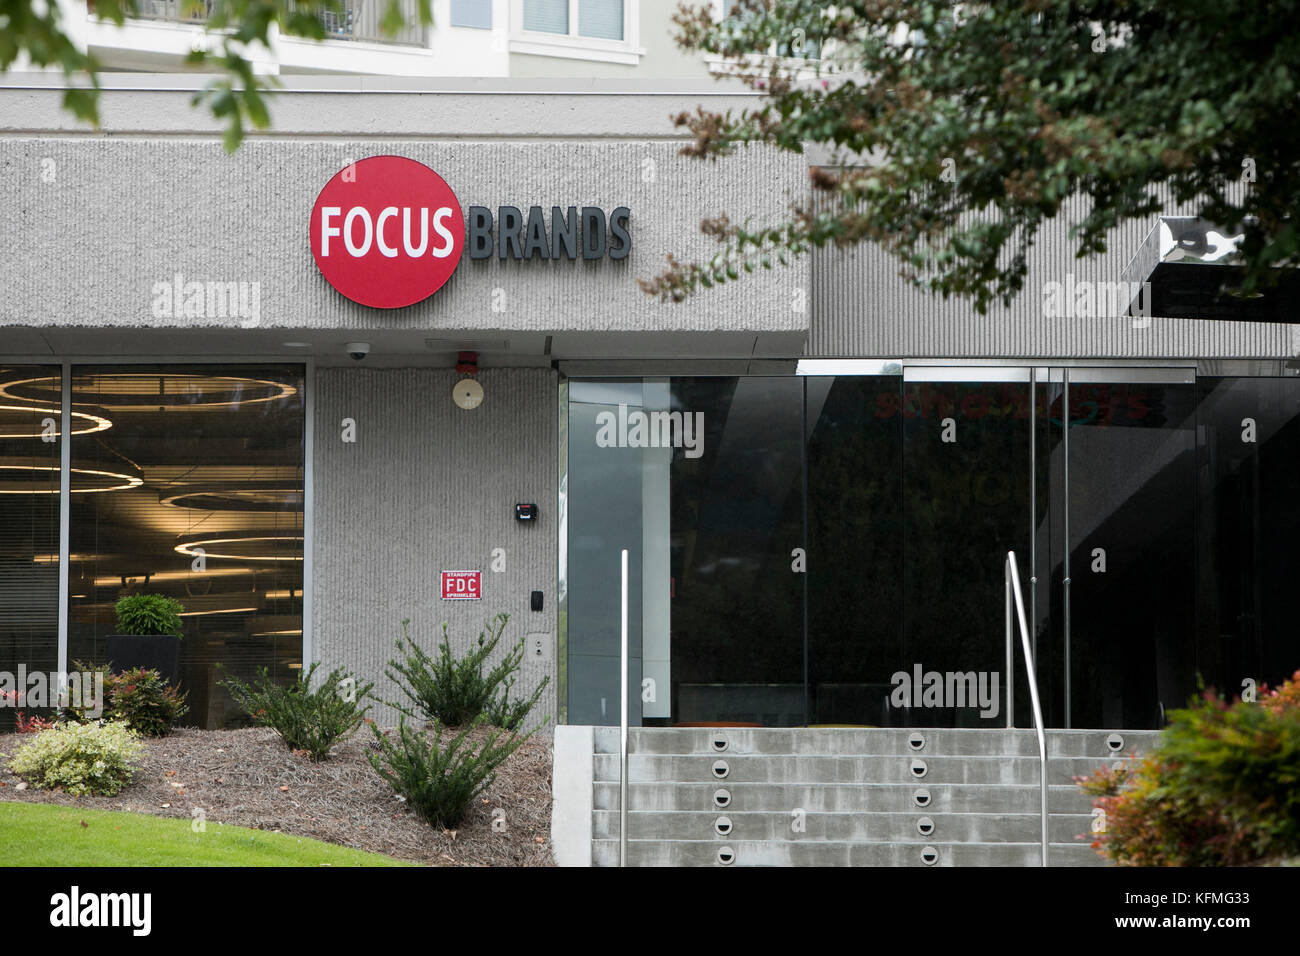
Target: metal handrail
622, 725
1013, 591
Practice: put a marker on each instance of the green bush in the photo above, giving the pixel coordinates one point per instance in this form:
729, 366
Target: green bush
148, 614
80, 758
147, 703
1220, 788
439, 779
140, 697
457, 692
310, 720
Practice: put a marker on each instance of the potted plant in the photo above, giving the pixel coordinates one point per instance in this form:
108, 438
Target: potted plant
148, 635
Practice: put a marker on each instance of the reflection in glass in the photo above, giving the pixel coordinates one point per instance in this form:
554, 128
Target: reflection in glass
1130, 499
855, 547
737, 602
215, 519
905, 495
30, 451
1248, 527
965, 505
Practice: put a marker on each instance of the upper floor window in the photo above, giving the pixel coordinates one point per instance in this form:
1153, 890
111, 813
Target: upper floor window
583, 29
471, 13
803, 43
597, 19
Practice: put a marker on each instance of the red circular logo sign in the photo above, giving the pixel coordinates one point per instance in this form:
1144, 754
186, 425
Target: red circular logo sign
387, 232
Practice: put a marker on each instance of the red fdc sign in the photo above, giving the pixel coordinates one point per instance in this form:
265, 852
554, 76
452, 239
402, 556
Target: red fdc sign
462, 585
387, 232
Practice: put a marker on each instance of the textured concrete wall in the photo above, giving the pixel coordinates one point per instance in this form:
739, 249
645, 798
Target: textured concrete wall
428, 487
102, 220
861, 307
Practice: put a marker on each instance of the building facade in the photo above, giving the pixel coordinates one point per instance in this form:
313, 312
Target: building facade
601, 39
817, 471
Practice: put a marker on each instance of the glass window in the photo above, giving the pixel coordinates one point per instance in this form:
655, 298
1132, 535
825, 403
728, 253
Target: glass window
604, 502
1249, 522
855, 548
546, 16
737, 585
700, 479
1131, 498
831, 550
964, 506
196, 493
802, 44
472, 13
600, 19
30, 452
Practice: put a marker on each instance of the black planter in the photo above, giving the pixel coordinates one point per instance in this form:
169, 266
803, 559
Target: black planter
159, 652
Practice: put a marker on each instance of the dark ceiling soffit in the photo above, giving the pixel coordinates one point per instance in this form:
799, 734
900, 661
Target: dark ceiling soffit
1182, 268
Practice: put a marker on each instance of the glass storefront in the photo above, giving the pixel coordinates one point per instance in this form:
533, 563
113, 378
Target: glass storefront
184, 481
829, 550
30, 455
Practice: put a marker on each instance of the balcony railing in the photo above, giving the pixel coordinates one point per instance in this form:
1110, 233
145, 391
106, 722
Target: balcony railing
357, 20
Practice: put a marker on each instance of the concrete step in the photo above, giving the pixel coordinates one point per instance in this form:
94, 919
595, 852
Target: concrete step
845, 741
882, 827
839, 853
919, 769
842, 797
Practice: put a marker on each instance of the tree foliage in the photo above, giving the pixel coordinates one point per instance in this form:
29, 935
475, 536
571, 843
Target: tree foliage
34, 30
956, 130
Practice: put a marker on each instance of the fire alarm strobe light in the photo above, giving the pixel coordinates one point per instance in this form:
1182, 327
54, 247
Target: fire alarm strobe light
467, 393
387, 232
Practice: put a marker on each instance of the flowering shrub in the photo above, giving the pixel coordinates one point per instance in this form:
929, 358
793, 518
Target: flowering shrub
80, 758
1221, 788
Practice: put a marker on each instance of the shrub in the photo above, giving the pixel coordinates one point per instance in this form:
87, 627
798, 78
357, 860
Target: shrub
1219, 789
503, 713
438, 779
306, 719
147, 703
139, 696
457, 692
148, 614
80, 758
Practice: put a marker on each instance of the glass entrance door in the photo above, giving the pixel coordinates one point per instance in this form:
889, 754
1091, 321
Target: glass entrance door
1113, 600
965, 503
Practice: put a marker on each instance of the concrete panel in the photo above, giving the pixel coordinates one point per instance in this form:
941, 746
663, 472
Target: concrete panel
428, 487
571, 794
100, 224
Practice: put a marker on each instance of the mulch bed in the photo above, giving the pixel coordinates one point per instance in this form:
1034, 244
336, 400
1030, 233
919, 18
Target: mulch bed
249, 778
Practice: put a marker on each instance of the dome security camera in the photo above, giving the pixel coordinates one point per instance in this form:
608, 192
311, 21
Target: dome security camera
358, 350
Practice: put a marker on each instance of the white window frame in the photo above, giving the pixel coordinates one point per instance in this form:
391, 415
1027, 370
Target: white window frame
627, 51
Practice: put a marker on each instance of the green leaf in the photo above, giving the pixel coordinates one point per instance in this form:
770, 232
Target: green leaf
234, 134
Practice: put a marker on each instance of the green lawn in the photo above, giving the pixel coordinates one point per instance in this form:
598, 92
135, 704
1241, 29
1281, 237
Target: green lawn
41, 834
